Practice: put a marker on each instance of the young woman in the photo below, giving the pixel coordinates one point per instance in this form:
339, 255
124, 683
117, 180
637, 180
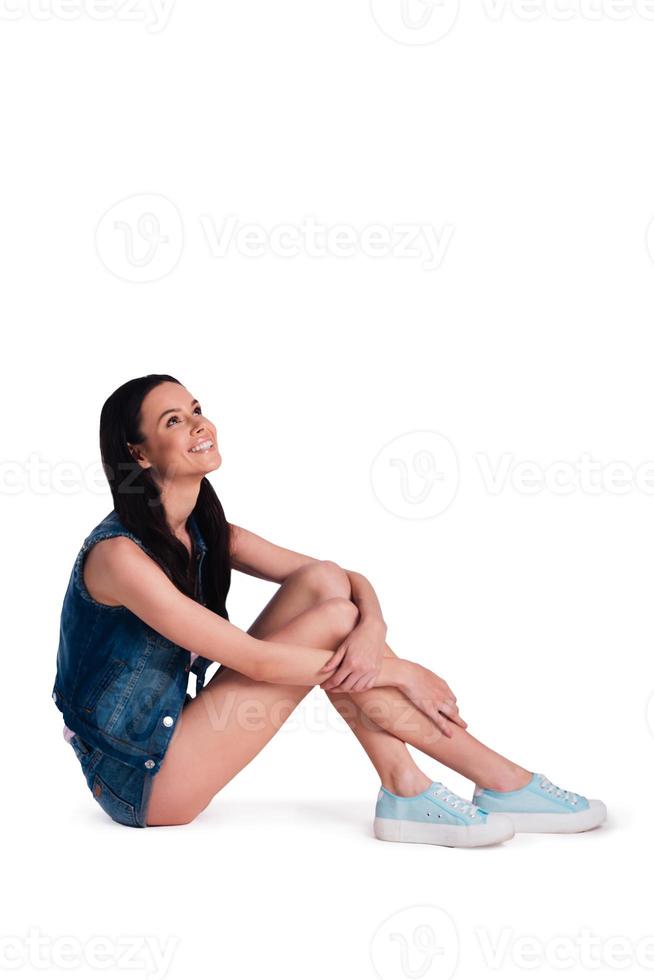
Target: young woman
145, 605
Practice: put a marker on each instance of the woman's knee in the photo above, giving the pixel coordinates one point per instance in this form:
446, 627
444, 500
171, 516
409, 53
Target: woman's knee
341, 613
325, 579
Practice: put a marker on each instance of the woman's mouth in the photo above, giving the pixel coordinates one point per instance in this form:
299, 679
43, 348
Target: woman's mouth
202, 447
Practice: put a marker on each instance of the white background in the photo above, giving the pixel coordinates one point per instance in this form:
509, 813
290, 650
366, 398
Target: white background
521, 136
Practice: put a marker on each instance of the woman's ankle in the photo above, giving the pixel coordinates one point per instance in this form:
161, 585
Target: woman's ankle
406, 782
509, 780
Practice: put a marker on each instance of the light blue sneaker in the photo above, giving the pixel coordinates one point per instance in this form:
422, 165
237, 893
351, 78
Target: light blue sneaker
541, 807
437, 816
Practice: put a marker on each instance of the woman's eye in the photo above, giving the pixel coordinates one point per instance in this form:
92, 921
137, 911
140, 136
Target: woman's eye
196, 409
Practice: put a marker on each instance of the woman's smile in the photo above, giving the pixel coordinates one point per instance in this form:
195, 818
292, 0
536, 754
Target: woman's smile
202, 447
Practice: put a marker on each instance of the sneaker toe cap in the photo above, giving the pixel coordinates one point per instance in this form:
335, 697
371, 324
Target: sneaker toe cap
500, 825
598, 807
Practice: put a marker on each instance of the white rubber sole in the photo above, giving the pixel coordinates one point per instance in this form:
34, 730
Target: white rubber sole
497, 828
559, 823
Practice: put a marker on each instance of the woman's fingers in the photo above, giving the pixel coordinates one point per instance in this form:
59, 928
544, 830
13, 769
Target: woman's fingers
363, 682
450, 709
443, 724
432, 709
341, 681
350, 683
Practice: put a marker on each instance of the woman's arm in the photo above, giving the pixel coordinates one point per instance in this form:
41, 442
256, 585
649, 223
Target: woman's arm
132, 579
256, 556
281, 666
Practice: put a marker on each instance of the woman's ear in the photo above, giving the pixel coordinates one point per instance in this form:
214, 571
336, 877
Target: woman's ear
138, 456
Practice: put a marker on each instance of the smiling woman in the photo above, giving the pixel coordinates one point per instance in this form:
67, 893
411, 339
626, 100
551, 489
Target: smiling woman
156, 448
146, 604
155, 423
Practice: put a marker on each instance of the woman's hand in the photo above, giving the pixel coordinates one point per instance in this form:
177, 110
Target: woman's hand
358, 658
431, 694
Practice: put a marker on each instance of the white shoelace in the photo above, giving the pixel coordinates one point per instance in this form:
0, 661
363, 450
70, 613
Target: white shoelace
456, 802
563, 794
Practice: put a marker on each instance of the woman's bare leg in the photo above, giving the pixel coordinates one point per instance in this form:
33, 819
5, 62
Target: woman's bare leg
300, 595
385, 710
389, 755
222, 729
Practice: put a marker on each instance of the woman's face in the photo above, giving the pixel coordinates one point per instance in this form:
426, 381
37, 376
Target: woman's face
172, 424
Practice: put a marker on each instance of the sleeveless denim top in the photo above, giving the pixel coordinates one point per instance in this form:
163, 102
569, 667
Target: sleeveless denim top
119, 683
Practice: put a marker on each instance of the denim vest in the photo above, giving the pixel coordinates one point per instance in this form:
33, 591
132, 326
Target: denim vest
119, 684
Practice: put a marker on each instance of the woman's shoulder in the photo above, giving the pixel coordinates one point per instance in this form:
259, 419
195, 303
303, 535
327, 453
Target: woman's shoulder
108, 539
110, 549
112, 527
109, 526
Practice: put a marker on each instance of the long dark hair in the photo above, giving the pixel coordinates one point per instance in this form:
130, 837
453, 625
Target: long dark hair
137, 499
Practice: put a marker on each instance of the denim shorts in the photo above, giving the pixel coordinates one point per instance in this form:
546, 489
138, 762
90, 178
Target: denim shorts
122, 791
